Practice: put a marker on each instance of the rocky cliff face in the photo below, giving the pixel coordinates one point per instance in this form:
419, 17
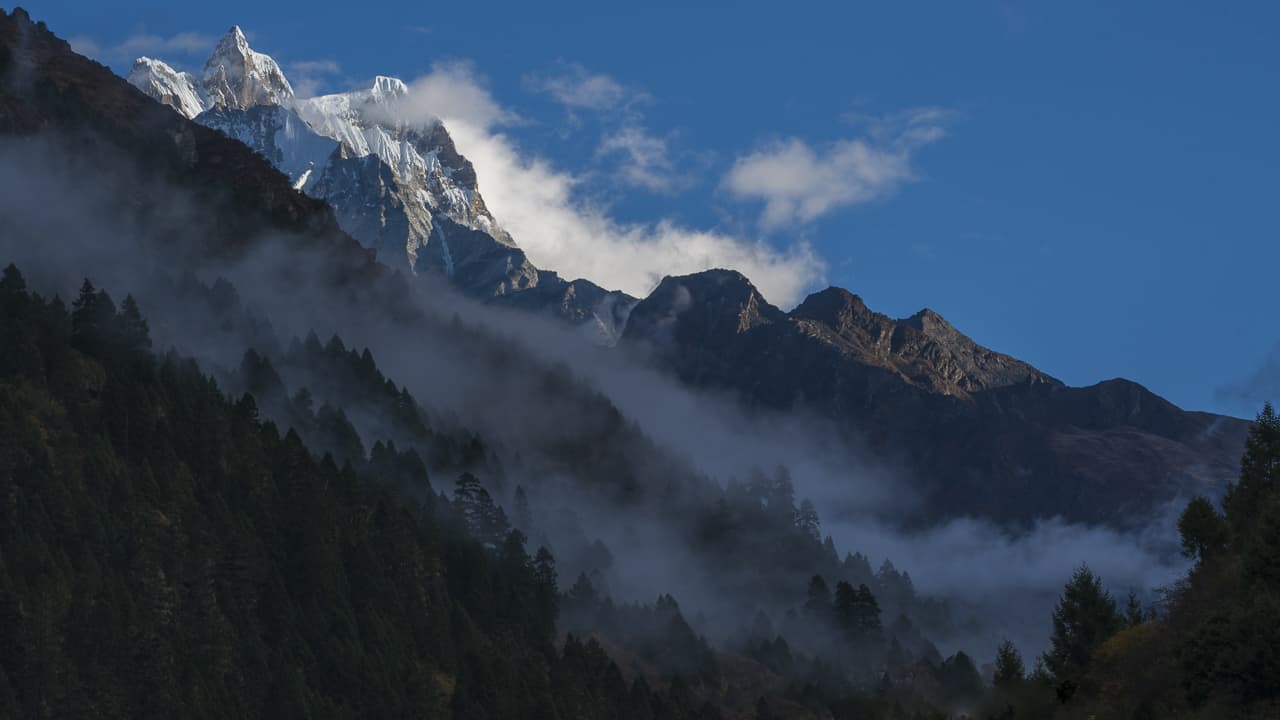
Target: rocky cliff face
982, 433
924, 350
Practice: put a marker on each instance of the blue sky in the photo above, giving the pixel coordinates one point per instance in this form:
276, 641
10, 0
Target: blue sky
1090, 187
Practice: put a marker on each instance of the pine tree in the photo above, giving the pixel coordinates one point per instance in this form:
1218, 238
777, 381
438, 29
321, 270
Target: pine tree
1009, 668
867, 618
1134, 615
959, 677
12, 281
134, 332
1084, 618
807, 520
857, 612
1203, 531
548, 591
484, 520
91, 316
1259, 472
817, 602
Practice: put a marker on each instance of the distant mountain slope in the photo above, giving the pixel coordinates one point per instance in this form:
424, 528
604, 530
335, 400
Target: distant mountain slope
985, 434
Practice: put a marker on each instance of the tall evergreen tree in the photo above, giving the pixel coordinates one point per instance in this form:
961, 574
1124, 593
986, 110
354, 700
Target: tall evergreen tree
1203, 531
1084, 617
1010, 670
134, 332
817, 603
11, 280
807, 520
1133, 613
1259, 472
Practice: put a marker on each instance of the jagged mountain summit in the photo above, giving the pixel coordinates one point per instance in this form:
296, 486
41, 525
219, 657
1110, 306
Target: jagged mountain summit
235, 78
395, 179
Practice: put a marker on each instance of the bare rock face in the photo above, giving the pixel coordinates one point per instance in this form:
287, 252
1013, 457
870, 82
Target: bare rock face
924, 349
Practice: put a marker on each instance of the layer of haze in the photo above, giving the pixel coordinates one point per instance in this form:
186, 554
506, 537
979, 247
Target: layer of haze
1010, 580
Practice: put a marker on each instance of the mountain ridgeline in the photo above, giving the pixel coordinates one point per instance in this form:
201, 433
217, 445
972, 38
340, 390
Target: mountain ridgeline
986, 434
300, 471
994, 436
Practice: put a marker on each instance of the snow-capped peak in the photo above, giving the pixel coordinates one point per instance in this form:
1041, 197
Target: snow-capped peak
175, 89
388, 87
237, 77
391, 175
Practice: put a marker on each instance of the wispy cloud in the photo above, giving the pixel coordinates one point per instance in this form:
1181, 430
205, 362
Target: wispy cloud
579, 89
644, 160
1246, 395
799, 183
309, 77
542, 207
181, 44
639, 158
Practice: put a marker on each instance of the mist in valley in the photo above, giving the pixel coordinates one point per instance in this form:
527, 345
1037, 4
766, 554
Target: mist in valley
484, 368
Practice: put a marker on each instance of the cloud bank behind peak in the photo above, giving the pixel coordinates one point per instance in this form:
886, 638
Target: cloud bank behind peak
545, 210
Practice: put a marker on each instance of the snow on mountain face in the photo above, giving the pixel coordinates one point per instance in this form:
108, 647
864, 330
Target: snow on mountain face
236, 77
173, 88
278, 134
423, 159
244, 94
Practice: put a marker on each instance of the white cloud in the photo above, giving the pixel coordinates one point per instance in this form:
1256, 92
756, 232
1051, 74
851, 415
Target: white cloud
541, 207
645, 160
800, 184
182, 44
455, 93
578, 88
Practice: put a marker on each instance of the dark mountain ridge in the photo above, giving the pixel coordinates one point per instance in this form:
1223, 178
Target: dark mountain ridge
984, 433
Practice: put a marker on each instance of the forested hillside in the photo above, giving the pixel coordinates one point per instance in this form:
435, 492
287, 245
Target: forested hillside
165, 546
166, 552
1212, 649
